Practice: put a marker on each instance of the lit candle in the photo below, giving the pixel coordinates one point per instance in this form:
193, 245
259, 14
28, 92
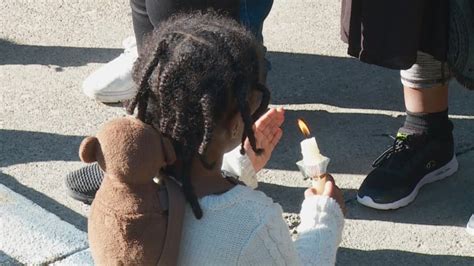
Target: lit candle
314, 164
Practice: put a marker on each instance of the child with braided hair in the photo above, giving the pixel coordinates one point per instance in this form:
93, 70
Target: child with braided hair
200, 84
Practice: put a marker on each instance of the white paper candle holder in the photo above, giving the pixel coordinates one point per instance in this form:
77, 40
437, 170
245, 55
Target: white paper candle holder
313, 170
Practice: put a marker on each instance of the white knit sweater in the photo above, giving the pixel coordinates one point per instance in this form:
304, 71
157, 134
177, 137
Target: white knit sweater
245, 227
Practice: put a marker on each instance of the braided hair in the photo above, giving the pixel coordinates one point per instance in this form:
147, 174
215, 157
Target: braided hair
193, 68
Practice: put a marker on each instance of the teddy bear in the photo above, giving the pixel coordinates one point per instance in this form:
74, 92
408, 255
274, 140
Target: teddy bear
128, 218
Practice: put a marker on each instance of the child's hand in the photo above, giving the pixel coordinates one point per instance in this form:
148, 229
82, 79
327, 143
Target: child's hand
327, 187
267, 134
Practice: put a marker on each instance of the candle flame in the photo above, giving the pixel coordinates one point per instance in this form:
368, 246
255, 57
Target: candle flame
303, 127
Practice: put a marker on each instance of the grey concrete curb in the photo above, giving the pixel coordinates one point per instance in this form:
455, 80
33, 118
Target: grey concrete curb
31, 235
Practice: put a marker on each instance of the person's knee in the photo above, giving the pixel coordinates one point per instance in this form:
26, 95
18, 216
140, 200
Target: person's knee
426, 73
138, 6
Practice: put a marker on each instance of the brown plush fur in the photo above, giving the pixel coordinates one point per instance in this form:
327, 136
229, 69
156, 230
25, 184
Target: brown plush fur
127, 224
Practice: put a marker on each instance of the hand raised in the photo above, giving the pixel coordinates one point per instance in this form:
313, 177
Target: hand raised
267, 134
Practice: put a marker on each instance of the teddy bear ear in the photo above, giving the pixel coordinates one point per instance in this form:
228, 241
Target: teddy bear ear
87, 150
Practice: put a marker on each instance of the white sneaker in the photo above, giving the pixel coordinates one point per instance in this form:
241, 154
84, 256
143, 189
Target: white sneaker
113, 82
470, 226
129, 42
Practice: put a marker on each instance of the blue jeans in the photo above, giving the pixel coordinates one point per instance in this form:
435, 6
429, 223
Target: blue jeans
146, 14
253, 13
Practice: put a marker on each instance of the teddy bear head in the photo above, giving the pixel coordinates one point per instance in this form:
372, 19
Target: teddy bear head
128, 150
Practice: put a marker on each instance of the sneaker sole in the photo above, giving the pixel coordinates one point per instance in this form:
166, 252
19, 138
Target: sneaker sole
470, 226
441, 173
470, 230
80, 197
111, 98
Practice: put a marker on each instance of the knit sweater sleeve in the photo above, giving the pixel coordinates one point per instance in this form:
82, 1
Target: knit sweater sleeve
270, 243
319, 236
320, 231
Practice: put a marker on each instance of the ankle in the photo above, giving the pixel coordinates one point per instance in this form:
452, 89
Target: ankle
434, 124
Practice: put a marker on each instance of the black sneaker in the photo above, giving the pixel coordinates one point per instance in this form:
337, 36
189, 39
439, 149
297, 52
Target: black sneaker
410, 163
82, 184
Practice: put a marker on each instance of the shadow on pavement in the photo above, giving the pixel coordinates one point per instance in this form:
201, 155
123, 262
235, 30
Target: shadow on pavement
290, 198
340, 81
352, 141
7, 260
45, 202
23, 147
26, 146
60, 56
347, 256
345, 82
446, 202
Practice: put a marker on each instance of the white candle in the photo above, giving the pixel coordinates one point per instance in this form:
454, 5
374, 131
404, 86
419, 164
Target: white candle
310, 151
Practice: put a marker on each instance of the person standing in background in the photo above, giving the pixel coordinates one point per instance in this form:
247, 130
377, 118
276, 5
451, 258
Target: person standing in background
418, 38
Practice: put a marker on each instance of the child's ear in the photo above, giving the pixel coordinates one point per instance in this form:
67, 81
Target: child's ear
168, 149
88, 149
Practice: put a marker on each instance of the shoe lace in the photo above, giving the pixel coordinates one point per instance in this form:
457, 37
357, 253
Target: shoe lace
400, 144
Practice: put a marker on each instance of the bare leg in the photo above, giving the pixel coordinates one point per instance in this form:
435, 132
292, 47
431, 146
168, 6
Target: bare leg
431, 100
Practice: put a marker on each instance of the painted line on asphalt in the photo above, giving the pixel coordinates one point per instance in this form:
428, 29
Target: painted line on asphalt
341, 110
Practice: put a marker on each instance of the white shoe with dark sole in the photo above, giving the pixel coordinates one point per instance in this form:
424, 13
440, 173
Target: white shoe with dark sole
113, 82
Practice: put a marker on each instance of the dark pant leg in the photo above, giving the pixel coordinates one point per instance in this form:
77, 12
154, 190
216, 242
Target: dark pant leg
147, 14
253, 13
229, 7
159, 10
252, 16
141, 21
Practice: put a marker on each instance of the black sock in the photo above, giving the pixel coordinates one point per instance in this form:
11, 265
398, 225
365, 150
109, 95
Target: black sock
435, 124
